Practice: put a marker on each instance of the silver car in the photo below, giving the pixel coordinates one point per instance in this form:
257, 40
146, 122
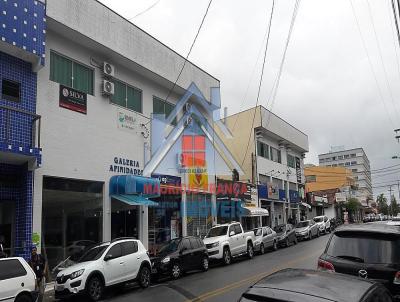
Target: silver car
307, 229
265, 239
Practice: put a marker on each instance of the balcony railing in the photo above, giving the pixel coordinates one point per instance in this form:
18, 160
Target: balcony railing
19, 127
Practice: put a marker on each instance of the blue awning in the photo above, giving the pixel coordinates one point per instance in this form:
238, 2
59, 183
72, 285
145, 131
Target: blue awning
135, 200
135, 185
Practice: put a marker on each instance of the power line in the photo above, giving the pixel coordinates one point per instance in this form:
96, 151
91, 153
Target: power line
396, 24
144, 11
370, 63
382, 61
261, 78
275, 87
190, 50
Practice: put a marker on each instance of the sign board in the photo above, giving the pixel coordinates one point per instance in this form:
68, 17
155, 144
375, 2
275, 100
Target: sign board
251, 195
125, 166
73, 99
127, 121
298, 170
168, 180
340, 197
273, 191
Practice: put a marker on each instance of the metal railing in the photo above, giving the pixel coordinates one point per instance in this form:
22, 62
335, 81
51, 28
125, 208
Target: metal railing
14, 123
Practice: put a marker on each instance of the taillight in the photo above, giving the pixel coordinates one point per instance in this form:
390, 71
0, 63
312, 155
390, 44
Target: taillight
325, 266
396, 279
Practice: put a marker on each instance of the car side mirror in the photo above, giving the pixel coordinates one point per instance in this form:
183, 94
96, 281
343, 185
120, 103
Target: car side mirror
232, 233
108, 257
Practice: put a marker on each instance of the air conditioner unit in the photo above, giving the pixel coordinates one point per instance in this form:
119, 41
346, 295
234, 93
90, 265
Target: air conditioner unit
108, 69
188, 121
108, 87
187, 107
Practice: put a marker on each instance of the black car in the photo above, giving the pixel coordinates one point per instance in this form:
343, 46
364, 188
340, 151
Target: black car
285, 234
370, 251
178, 256
299, 285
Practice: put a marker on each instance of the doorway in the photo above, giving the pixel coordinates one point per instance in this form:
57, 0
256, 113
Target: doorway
7, 226
124, 220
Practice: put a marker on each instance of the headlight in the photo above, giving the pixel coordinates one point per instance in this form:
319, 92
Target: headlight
166, 260
76, 274
215, 244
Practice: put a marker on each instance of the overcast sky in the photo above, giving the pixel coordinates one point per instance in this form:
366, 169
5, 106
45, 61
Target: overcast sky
327, 89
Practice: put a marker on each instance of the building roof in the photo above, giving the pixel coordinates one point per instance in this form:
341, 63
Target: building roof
343, 151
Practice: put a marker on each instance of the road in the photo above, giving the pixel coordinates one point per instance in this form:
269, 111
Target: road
224, 283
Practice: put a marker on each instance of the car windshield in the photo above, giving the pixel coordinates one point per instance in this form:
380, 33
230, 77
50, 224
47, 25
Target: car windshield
366, 248
303, 224
170, 246
258, 232
217, 231
319, 219
279, 228
94, 253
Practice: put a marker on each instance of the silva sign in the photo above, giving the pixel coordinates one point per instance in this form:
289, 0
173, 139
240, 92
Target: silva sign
73, 99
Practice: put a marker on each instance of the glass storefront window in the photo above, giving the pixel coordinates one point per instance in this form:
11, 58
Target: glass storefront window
199, 214
72, 219
124, 220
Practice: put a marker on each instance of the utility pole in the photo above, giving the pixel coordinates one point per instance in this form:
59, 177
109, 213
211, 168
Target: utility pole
390, 200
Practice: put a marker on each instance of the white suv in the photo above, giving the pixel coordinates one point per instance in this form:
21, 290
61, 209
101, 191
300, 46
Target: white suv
106, 264
17, 281
323, 223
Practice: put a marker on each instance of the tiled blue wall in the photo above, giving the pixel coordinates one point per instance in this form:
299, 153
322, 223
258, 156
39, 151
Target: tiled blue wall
21, 194
15, 69
23, 24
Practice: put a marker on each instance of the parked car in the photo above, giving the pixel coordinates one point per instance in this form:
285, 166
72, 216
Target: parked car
229, 240
265, 239
306, 229
394, 221
300, 285
286, 234
17, 281
106, 264
323, 223
178, 256
370, 250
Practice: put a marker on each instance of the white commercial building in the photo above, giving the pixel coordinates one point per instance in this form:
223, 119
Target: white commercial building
357, 161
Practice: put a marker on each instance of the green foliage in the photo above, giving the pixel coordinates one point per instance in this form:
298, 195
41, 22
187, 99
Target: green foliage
382, 204
394, 207
353, 204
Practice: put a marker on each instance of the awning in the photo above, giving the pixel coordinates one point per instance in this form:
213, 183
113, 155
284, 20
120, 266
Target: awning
305, 205
254, 211
135, 200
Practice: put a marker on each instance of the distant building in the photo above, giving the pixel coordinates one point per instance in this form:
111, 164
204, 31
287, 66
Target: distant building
357, 161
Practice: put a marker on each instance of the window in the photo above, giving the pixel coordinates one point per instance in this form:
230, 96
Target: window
334, 158
262, 150
115, 251
347, 164
129, 247
353, 163
334, 165
10, 90
341, 164
276, 155
194, 243
263, 179
70, 73
346, 156
340, 157
193, 151
162, 107
322, 160
311, 178
127, 96
354, 170
291, 161
11, 269
231, 229
353, 155
185, 245
238, 229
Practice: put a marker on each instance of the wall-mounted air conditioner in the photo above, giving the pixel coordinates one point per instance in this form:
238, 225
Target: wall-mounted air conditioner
108, 87
108, 69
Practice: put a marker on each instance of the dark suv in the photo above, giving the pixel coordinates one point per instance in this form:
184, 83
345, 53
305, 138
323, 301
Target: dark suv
178, 256
370, 251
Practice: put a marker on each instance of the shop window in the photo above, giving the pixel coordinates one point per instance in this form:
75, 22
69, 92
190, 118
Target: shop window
162, 107
70, 73
127, 96
291, 161
10, 90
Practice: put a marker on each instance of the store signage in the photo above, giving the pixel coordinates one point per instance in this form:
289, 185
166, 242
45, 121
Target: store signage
273, 191
73, 99
126, 166
251, 195
127, 121
340, 197
294, 196
168, 180
298, 170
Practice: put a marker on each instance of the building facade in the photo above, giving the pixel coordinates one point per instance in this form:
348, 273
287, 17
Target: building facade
357, 161
22, 44
271, 154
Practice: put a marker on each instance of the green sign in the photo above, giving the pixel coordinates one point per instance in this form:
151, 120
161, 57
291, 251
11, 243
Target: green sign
35, 238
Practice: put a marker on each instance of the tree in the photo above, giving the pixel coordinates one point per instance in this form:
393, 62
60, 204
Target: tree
382, 204
394, 207
352, 206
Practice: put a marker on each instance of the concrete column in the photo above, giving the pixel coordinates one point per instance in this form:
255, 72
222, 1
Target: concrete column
106, 213
144, 225
37, 207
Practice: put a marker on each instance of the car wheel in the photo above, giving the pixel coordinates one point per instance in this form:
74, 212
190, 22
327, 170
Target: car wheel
250, 250
262, 249
144, 277
95, 288
176, 270
275, 246
204, 264
287, 242
23, 298
227, 256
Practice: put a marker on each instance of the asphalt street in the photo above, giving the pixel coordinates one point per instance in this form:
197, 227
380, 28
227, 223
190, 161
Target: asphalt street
222, 283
